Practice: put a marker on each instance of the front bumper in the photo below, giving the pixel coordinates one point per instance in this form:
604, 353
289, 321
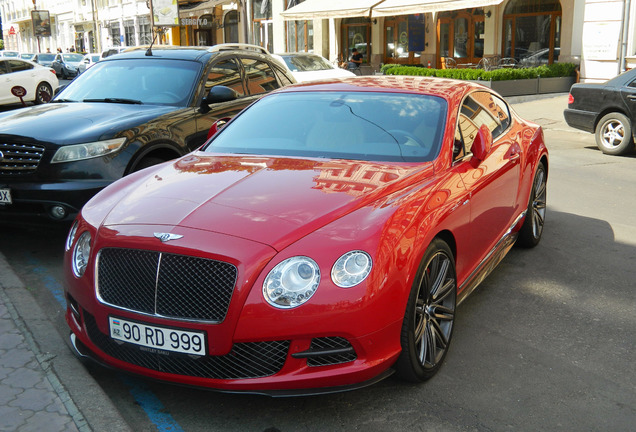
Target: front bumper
39, 199
297, 366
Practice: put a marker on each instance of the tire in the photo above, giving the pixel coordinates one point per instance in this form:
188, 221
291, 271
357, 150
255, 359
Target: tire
43, 93
614, 134
532, 228
430, 312
147, 162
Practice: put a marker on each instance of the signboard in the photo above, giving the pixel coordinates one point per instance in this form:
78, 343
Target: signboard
165, 13
41, 23
600, 40
18, 91
11, 31
417, 31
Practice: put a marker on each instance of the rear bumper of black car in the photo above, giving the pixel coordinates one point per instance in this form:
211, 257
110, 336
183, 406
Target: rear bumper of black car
578, 119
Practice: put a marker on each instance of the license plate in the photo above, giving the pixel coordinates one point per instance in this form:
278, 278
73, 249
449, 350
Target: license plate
157, 338
5, 196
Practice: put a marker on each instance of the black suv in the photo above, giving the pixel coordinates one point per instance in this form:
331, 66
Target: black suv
127, 112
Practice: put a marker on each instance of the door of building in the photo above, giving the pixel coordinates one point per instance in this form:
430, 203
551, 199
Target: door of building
460, 36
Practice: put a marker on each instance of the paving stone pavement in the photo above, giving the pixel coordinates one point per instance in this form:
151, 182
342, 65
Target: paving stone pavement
31, 397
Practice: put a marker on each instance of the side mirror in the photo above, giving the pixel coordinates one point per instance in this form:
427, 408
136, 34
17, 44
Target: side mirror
482, 143
221, 93
217, 126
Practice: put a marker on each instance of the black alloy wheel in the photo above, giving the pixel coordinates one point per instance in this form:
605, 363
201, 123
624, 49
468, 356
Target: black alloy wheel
532, 229
430, 313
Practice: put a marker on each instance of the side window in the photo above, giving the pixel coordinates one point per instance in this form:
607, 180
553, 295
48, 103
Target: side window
282, 77
17, 66
483, 108
632, 84
502, 112
225, 73
458, 145
259, 76
4, 67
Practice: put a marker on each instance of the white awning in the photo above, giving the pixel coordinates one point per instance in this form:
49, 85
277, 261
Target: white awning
407, 7
323, 9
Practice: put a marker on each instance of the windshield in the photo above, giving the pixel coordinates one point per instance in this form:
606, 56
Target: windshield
46, 57
72, 57
305, 63
147, 81
353, 125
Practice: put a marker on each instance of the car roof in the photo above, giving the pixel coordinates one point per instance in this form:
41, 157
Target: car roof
441, 87
177, 52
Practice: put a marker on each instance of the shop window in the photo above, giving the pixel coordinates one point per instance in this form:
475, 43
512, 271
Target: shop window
300, 34
356, 33
230, 27
532, 31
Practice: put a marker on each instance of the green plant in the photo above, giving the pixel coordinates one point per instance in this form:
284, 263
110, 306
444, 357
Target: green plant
546, 71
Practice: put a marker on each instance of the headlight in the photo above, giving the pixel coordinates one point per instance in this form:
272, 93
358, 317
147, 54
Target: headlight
351, 269
87, 150
71, 236
292, 282
81, 253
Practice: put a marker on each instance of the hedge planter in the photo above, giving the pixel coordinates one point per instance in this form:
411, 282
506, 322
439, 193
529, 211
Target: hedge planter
530, 86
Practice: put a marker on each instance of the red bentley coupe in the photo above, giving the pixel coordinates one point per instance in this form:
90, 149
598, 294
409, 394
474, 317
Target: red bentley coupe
320, 241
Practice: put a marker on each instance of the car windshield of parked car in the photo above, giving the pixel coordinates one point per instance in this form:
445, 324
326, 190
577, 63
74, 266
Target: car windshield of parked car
142, 81
340, 125
73, 58
306, 63
46, 57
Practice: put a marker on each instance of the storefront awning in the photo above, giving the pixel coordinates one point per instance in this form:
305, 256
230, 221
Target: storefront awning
323, 9
407, 7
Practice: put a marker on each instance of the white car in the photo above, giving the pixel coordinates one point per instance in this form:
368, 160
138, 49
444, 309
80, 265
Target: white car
309, 67
89, 60
39, 81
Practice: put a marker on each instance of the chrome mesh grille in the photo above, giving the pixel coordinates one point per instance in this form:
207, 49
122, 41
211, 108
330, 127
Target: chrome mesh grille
245, 360
19, 159
169, 285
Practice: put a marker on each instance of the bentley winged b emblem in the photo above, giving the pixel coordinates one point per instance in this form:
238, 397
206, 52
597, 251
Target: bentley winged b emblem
164, 237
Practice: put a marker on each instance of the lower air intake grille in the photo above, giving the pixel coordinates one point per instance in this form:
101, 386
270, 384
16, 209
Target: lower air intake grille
246, 360
346, 354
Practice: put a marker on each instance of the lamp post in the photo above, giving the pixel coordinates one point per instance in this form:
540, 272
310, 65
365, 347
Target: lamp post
35, 7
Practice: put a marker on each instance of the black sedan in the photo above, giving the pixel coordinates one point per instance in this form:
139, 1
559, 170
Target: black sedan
127, 112
607, 110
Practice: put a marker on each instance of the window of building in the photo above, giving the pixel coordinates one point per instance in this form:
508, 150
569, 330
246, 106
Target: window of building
356, 33
262, 24
532, 31
300, 34
115, 33
145, 32
129, 33
230, 27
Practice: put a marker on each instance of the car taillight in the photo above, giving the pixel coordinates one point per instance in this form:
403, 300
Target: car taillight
570, 99
52, 71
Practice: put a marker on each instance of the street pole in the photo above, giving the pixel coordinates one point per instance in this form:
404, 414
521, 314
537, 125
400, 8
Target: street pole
96, 29
35, 7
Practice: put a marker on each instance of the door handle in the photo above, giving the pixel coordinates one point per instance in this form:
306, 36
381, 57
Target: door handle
631, 97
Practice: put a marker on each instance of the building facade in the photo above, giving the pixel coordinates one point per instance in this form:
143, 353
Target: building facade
597, 34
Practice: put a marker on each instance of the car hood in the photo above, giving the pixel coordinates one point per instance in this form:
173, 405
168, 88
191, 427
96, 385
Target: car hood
73, 123
274, 201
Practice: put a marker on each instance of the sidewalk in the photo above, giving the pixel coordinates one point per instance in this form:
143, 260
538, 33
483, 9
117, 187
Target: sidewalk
42, 385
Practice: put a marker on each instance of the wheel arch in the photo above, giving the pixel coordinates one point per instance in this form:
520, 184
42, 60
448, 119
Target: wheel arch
161, 150
606, 111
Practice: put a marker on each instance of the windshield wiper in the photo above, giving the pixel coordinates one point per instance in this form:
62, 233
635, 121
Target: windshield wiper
116, 100
64, 100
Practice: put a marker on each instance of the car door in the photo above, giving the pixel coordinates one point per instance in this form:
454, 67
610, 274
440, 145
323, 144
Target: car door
493, 183
57, 64
20, 73
5, 83
628, 94
228, 71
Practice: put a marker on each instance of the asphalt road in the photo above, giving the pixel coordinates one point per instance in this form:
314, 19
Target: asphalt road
546, 343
